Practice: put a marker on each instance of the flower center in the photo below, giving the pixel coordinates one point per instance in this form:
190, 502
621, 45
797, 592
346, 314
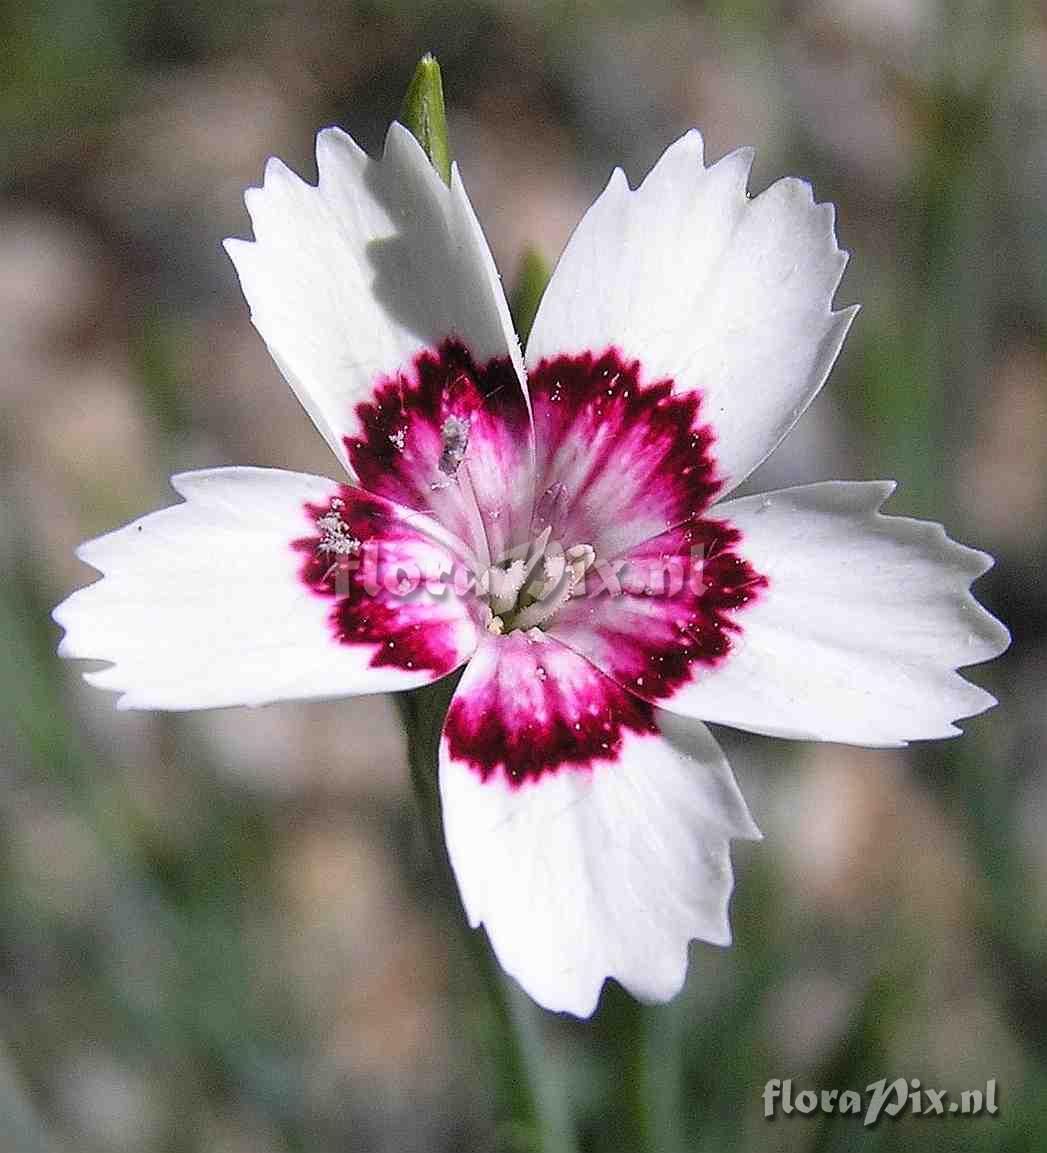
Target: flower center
526, 591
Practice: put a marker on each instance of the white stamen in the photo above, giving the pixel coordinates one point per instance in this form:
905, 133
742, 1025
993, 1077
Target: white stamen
564, 575
504, 586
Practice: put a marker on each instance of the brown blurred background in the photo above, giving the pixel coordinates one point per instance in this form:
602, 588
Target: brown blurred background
217, 931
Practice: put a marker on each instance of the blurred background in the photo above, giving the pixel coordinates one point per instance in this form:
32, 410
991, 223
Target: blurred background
218, 932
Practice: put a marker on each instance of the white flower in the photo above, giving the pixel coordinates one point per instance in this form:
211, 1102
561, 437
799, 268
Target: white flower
619, 599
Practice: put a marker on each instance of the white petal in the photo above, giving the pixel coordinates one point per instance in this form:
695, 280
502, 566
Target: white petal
583, 872
861, 628
350, 279
204, 604
719, 292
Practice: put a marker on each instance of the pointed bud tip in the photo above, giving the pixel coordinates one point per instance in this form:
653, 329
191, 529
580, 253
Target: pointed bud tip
425, 117
531, 281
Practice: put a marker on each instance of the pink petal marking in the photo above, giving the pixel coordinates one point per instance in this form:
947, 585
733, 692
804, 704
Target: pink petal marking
362, 550
528, 706
676, 612
629, 467
622, 458
624, 468
449, 415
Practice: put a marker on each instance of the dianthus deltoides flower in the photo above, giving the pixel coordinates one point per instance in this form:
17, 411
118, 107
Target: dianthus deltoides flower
554, 521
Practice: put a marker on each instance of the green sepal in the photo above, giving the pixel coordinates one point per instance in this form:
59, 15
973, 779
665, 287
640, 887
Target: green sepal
424, 114
527, 293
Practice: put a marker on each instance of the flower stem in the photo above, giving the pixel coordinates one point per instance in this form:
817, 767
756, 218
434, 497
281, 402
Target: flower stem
624, 1029
531, 1115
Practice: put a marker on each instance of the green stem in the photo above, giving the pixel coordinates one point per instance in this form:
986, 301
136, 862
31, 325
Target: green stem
530, 1113
624, 1026
632, 1044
